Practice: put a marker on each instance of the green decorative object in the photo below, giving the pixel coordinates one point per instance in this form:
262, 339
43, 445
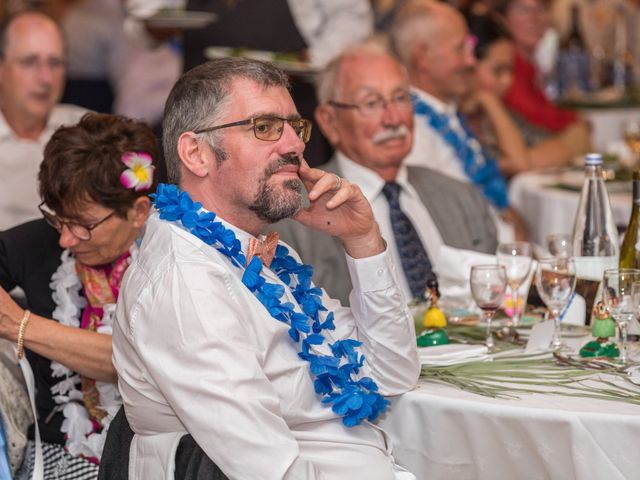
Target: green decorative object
603, 327
597, 349
432, 337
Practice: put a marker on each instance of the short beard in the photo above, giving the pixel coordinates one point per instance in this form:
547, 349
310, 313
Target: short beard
271, 205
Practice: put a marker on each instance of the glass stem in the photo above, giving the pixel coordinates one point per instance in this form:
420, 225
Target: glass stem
623, 343
488, 316
556, 342
515, 320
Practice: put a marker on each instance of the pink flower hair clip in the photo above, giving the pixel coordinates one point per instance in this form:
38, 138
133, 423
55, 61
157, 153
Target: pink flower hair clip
139, 175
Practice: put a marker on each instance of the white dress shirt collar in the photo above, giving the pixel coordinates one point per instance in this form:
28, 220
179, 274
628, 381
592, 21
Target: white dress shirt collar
369, 181
60, 115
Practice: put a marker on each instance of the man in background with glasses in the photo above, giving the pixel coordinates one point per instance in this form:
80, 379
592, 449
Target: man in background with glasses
365, 111
32, 68
219, 336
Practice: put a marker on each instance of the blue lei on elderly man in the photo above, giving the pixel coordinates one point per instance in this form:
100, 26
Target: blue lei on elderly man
481, 167
355, 399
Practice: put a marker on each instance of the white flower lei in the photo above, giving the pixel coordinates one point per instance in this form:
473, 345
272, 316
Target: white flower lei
81, 439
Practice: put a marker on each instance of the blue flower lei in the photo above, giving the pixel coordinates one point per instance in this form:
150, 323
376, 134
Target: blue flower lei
335, 376
482, 171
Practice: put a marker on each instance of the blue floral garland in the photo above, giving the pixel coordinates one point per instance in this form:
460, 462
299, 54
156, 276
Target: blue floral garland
335, 376
482, 171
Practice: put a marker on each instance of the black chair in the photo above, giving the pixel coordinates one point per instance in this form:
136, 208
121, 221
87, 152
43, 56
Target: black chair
191, 462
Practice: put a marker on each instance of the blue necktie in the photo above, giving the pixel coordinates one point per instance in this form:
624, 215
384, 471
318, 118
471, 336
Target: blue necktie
415, 261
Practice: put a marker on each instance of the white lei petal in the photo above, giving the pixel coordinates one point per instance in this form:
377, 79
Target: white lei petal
66, 287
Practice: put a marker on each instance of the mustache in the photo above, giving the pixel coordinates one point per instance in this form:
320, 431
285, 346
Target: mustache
391, 132
281, 162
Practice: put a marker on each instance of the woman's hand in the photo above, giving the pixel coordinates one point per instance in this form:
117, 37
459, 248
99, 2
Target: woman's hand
339, 208
10, 317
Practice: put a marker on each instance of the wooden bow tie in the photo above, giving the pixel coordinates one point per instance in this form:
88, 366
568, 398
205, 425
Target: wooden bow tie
263, 249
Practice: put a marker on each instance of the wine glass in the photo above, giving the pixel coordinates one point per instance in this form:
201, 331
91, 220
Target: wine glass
618, 294
516, 259
560, 245
488, 284
556, 281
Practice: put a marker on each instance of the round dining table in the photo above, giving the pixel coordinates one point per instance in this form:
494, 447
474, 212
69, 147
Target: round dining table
440, 432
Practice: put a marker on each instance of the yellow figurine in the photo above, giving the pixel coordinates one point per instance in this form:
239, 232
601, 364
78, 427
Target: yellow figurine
434, 317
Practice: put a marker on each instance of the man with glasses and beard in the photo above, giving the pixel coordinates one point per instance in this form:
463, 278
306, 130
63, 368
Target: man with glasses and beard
365, 112
220, 332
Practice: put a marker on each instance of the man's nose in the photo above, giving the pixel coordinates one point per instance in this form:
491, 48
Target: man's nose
46, 72
391, 114
291, 142
469, 57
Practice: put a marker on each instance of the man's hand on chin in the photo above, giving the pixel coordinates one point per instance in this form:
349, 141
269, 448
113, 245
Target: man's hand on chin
339, 208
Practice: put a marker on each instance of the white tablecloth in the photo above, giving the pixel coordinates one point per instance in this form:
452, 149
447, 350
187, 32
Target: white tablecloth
548, 210
440, 432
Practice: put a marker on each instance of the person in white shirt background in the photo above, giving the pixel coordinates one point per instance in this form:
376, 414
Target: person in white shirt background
431, 39
32, 72
365, 112
211, 341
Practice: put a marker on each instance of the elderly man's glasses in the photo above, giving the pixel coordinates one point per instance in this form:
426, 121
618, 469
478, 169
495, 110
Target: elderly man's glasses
269, 128
80, 231
377, 104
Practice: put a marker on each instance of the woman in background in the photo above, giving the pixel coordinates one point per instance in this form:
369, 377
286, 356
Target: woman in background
527, 21
517, 145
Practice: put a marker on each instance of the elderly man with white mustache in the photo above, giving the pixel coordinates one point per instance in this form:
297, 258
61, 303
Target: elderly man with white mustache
365, 112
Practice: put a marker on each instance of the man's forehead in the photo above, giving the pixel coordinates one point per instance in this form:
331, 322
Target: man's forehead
34, 34
252, 99
364, 75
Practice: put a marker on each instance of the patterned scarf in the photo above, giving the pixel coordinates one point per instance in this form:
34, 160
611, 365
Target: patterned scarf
100, 286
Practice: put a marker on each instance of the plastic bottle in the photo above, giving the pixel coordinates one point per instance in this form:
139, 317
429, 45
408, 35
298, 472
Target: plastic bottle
595, 237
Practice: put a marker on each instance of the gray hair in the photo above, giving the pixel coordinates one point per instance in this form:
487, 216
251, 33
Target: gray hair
414, 23
200, 98
327, 84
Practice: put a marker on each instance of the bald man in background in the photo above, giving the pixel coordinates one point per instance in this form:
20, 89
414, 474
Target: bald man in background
32, 75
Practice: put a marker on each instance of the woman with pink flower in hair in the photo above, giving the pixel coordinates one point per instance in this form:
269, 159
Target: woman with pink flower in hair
95, 182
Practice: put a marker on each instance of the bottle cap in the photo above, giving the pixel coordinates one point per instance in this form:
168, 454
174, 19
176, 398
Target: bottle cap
593, 159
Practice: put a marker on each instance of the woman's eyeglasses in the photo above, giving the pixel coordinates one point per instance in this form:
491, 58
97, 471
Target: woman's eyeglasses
81, 231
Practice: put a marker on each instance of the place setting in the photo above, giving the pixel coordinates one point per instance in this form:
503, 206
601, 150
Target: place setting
506, 350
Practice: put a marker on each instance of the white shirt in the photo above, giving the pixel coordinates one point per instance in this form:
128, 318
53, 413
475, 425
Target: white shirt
371, 185
327, 26
20, 162
196, 351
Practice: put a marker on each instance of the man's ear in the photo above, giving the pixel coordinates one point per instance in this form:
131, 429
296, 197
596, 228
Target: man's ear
326, 117
420, 58
196, 155
140, 211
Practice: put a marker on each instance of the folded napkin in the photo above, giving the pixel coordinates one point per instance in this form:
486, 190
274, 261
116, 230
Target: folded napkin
453, 268
442, 355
